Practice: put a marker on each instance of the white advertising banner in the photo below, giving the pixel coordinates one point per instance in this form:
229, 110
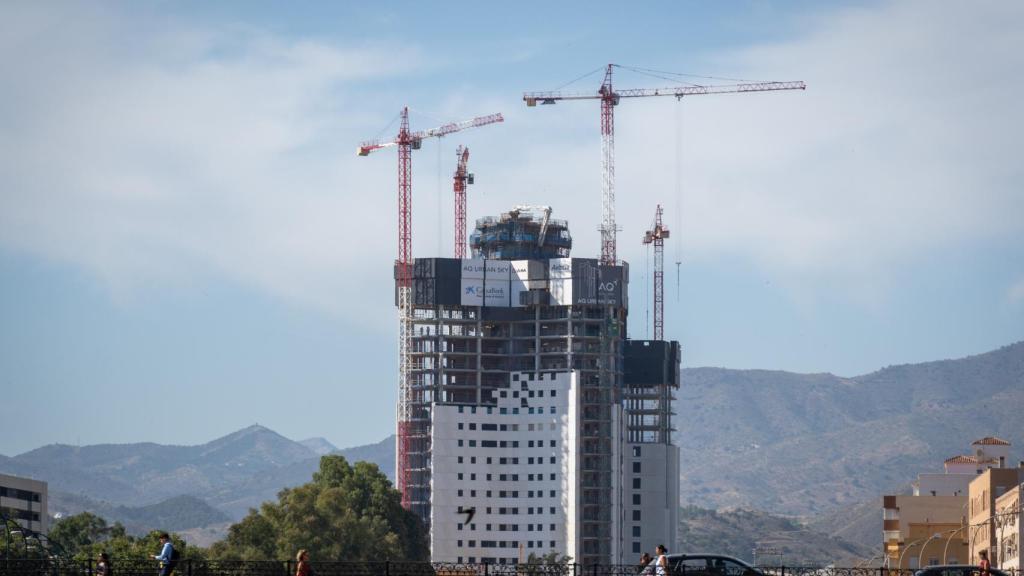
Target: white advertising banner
561, 292
472, 293
496, 293
560, 268
497, 269
473, 268
520, 270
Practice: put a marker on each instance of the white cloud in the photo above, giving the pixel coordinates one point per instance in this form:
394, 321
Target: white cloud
164, 156
904, 144
226, 152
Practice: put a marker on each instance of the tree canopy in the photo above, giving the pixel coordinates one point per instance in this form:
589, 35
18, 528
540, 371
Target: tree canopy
348, 512
85, 535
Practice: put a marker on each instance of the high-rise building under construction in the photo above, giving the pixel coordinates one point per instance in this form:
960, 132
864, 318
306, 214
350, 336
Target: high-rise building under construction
534, 425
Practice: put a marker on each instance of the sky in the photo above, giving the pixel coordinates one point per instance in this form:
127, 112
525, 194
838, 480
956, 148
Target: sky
189, 245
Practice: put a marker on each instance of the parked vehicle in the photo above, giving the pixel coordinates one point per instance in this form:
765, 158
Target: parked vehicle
707, 565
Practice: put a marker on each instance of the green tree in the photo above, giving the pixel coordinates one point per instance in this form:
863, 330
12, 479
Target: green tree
85, 535
79, 531
346, 513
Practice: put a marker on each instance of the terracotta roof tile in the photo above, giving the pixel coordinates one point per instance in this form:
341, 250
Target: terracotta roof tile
962, 460
991, 441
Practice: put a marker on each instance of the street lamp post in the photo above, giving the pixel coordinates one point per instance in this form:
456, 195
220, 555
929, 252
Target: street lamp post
920, 555
948, 540
899, 563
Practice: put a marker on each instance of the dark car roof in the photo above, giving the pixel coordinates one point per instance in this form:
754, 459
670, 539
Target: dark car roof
956, 567
681, 556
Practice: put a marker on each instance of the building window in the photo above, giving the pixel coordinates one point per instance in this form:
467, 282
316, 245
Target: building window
636, 483
636, 515
636, 451
460, 425
460, 459
636, 499
472, 425
636, 467
636, 547
636, 531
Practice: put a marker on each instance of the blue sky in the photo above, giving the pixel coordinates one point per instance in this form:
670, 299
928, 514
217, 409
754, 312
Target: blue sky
188, 244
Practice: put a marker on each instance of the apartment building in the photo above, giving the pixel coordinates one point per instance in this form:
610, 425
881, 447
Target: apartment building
932, 524
25, 501
1008, 537
984, 491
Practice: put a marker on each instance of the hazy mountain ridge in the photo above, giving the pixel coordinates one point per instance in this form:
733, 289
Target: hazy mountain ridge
743, 434
174, 514
147, 473
738, 532
814, 446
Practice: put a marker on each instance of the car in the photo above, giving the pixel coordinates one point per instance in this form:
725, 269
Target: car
705, 565
957, 570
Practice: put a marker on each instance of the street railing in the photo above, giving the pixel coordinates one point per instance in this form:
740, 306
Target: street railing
194, 567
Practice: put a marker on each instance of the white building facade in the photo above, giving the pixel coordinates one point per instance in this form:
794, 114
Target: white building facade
534, 425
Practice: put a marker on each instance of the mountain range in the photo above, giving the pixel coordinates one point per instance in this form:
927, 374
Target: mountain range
813, 447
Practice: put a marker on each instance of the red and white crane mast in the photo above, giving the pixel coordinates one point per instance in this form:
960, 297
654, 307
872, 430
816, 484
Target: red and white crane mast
609, 99
462, 178
407, 142
656, 235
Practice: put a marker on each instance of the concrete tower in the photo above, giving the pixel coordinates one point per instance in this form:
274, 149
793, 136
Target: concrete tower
536, 426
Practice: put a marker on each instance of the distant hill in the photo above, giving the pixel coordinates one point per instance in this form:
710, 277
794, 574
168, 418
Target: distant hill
319, 445
809, 444
812, 446
738, 532
175, 514
143, 474
236, 498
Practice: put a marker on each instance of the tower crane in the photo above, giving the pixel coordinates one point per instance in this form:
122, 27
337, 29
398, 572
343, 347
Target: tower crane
609, 98
462, 178
406, 142
656, 235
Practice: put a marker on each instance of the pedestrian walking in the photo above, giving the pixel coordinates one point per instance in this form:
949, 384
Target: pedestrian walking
303, 568
645, 561
103, 567
983, 564
168, 556
661, 567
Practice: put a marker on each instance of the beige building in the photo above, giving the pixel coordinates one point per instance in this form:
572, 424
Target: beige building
991, 485
930, 526
1008, 512
24, 501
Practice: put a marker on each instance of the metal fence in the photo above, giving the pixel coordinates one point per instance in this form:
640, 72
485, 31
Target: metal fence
187, 567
